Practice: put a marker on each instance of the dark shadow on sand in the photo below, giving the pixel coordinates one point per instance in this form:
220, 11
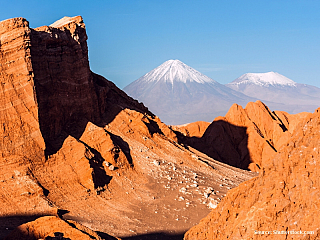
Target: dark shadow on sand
10, 223
154, 236
223, 142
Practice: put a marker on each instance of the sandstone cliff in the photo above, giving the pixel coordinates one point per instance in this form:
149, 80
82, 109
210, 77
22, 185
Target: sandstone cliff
282, 201
246, 138
75, 146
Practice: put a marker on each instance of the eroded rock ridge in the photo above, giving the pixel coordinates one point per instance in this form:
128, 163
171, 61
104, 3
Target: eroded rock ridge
75, 147
282, 202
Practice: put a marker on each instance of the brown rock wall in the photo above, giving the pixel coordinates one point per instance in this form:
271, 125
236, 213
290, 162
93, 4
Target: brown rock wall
20, 135
284, 197
267, 130
21, 140
247, 137
63, 82
75, 144
47, 97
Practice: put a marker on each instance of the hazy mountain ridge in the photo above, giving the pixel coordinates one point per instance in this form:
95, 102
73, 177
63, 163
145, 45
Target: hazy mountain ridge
264, 79
283, 93
181, 94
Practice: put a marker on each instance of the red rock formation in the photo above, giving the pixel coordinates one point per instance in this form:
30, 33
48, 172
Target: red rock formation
54, 228
72, 142
20, 131
21, 142
48, 96
247, 138
284, 197
267, 131
195, 129
63, 81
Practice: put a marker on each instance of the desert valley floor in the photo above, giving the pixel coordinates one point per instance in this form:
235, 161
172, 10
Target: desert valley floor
80, 159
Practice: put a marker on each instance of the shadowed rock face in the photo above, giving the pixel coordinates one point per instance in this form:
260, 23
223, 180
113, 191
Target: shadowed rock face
246, 138
64, 84
73, 143
68, 94
49, 94
282, 198
49, 97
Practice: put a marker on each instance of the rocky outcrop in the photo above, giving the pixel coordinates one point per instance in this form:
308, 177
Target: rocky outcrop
21, 142
20, 132
51, 228
281, 203
64, 85
195, 129
49, 97
75, 146
267, 131
247, 138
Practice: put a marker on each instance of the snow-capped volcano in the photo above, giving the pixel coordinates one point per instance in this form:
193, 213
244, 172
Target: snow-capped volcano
175, 71
283, 93
179, 94
264, 79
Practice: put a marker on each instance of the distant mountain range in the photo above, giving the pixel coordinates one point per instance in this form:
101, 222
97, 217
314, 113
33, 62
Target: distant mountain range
179, 94
280, 92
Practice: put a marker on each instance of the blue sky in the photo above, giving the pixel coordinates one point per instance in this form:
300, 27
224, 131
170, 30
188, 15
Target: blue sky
221, 38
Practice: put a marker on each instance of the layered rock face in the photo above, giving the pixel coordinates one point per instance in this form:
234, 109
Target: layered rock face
72, 143
21, 140
64, 84
281, 203
49, 97
20, 132
247, 138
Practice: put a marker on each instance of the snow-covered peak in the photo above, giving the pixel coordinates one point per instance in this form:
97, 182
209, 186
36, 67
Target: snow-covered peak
175, 71
263, 79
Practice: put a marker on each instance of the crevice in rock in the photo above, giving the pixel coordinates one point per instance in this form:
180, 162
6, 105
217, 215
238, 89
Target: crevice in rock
271, 145
283, 127
100, 178
123, 145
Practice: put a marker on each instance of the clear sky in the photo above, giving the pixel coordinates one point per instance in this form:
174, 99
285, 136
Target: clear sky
223, 39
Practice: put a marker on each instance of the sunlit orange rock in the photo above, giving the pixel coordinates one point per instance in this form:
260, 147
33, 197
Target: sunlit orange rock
51, 227
284, 197
247, 137
75, 146
195, 129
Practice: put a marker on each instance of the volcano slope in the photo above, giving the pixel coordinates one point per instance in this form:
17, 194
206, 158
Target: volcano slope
281, 203
76, 147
